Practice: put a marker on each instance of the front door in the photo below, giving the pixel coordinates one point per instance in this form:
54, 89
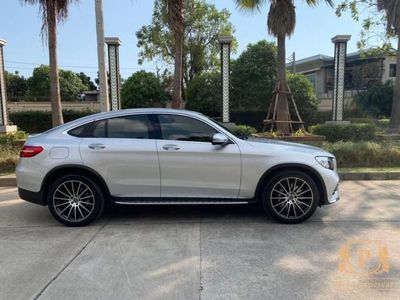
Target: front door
191, 166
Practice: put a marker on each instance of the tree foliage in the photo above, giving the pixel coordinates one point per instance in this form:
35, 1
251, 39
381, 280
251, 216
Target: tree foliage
304, 95
253, 76
374, 39
204, 94
16, 85
376, 101
39, 84
203, 24
142, 89
86, 80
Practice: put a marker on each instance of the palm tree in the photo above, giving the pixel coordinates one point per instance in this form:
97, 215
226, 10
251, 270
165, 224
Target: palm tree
53, 12
175, 18
391, 8
281, 23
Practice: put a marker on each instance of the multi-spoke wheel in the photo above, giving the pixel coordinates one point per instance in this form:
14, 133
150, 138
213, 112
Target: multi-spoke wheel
291, 197
75, 200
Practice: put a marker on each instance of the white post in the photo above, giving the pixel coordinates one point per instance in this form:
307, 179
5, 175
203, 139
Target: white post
103, 84
225, 42
340, 42
113, 44
4, 127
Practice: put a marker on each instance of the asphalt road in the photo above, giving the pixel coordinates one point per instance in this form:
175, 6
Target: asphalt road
350, 250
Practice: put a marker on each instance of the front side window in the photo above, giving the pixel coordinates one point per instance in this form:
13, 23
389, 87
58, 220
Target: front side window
180, 128
124, 127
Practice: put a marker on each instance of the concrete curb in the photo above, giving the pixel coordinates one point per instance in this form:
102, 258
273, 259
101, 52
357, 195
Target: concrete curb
369, 175
10, 180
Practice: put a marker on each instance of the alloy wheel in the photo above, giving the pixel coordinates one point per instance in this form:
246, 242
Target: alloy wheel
291, 198
73, 200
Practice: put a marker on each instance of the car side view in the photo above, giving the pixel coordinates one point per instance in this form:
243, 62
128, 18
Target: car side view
165, 156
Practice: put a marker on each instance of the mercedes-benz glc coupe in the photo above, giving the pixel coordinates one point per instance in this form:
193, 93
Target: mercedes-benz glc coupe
165, 156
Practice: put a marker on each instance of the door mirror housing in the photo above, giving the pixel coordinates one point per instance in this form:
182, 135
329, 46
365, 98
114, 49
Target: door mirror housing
220, 139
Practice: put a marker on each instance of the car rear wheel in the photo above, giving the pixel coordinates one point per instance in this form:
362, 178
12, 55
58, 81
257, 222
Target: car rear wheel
75, 200
290, 197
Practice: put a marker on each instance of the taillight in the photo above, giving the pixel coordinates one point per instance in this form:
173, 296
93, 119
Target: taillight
30, 151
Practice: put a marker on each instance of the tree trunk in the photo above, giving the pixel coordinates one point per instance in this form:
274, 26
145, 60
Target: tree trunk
394, 123
55, 98
282, 107
177, 90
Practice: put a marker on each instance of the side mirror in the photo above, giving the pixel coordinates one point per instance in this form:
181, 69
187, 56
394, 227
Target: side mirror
219, 139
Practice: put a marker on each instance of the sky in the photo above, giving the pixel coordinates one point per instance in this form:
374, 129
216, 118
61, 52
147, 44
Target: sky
20, 26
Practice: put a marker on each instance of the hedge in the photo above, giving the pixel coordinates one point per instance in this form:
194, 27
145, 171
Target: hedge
364, 154
39, 121
345, 132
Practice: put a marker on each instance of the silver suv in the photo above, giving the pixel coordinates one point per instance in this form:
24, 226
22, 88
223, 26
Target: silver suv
164, 156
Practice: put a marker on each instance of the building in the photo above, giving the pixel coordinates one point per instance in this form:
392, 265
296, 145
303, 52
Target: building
361, 72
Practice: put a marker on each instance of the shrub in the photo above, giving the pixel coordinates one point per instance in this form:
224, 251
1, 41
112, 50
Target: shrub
383, 123
376, 101
304, 96
243, 130
365, 154
345, 132
39, 121
8, 139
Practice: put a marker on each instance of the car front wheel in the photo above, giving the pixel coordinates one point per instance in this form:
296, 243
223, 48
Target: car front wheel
75, 200
290, 197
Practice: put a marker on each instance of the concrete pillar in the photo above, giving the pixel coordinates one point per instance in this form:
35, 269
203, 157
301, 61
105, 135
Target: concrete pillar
4, 127
113, 44
340, 42
225, 42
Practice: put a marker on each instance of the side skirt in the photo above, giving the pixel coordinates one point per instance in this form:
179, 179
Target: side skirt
178, 201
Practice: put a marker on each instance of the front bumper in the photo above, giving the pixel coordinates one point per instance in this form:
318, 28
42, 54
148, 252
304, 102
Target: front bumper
335, 196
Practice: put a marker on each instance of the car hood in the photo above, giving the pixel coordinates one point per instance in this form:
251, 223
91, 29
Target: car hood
263, 143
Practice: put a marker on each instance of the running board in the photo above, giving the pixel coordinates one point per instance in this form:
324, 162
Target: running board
181, 202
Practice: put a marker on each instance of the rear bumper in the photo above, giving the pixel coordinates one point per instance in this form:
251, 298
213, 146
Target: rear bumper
33, 197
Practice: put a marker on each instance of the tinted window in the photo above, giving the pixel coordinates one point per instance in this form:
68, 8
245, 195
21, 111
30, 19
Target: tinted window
78, 131
181, 128
99, 129
128, 127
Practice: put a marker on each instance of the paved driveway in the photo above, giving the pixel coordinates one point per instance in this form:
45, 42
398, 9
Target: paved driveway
206, 252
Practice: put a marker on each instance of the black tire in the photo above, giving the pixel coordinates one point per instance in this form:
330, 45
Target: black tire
294, 205
84, 207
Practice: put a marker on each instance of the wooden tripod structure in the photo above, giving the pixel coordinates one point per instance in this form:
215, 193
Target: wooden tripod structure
271, 119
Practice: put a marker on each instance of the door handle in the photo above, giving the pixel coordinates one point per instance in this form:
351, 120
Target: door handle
96, 146
170, 147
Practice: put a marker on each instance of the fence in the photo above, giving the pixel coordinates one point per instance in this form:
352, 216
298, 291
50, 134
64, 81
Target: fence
46, 106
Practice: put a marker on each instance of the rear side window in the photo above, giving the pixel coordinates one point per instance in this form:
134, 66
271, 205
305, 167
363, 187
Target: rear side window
81, 131
181, 128
124, 127
129, 127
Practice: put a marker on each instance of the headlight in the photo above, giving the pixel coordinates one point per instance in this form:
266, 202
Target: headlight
326, 162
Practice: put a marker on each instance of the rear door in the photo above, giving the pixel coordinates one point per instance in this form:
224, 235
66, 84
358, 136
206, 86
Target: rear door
122, 150
191, 166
